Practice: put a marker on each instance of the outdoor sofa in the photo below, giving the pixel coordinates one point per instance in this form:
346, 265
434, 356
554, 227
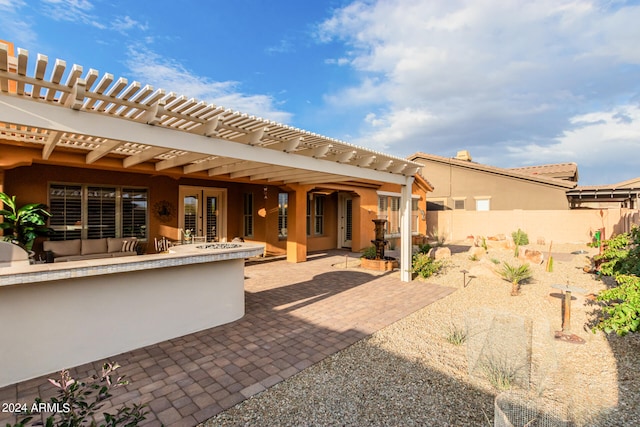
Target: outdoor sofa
83, 249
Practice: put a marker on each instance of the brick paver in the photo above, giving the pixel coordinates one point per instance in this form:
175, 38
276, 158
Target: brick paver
296, 315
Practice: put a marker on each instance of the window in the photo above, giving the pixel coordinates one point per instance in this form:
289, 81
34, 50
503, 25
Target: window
283, 202
482, 204
309, 207
65, 203
389, 209
319, 215
93, 212
248, 214
315, 214
134, 213
458, 204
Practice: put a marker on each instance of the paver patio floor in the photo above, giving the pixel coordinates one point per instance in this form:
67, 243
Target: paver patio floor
296, 315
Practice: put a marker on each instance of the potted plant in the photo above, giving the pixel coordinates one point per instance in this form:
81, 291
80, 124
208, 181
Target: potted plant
22, 225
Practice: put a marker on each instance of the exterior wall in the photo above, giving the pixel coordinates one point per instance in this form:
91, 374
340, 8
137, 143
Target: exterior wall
30, 185
173, 307
454, 182
570, 226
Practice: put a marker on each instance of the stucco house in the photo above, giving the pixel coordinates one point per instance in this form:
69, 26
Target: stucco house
113, 158
461, 184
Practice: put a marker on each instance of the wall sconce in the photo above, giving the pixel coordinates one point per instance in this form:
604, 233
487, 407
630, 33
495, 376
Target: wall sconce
265, 190
423, 214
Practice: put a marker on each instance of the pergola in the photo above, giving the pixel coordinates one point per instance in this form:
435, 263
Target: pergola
70, 109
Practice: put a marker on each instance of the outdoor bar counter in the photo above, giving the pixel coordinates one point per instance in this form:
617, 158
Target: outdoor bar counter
60, 315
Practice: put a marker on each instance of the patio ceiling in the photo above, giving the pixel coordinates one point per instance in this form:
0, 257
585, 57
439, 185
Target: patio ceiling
98, 115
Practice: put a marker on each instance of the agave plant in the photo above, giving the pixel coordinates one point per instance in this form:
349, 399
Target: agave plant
24, 224
516, 274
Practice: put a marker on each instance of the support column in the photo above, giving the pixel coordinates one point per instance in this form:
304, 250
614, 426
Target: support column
405, 230
297, 225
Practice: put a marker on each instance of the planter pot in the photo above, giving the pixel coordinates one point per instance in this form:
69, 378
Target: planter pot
379, 264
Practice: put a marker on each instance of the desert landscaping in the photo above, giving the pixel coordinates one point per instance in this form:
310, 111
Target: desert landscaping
433, 367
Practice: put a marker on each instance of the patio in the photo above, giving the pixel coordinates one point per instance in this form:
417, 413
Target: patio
296, 315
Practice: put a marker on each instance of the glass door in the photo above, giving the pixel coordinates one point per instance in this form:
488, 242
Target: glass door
203, 211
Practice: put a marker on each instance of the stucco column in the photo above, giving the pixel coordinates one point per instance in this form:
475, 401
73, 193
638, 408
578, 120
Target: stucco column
405, 230
297, 225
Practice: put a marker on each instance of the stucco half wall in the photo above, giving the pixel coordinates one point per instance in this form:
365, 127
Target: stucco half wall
59, 324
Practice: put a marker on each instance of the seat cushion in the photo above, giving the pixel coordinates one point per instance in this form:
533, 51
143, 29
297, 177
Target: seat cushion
63, 247
94, 246
115, 244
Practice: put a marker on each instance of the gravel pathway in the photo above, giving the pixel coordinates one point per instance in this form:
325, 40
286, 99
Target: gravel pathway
410, 374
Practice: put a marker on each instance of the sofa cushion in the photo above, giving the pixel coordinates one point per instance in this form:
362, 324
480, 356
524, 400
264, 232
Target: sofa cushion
94, 246
63, 247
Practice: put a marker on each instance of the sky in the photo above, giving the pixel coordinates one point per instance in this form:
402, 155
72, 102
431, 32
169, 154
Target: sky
514, 82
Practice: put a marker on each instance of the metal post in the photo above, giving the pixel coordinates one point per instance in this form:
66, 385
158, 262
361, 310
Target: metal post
566, 313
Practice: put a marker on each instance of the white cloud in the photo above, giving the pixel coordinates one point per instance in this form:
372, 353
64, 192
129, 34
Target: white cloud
14, 25
151, 68
491, 76
126, 23
72, 11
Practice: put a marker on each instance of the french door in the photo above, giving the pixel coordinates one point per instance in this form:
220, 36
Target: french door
345, 217
203, 210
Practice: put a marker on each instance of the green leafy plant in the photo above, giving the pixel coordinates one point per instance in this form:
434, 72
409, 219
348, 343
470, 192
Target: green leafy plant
77, 402
621, 311
495, 261
520, 238
474, 257
515, 274
23, 224
621, 304
424, 249
484, 244
369, 253
425, 266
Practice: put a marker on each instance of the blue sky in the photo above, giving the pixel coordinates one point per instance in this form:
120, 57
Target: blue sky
516, 83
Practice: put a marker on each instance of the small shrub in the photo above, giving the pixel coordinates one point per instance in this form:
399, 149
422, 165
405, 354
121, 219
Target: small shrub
621, 312
496, 261
424, 249
516, 274
425, 266
484, 244
369, 253
621, 304
456, 335
520, 238
500, 373
474, 257
78, 402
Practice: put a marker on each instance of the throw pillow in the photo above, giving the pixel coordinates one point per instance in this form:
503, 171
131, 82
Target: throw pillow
129, 245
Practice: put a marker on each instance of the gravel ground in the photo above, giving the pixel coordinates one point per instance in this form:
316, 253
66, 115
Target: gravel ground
410, 374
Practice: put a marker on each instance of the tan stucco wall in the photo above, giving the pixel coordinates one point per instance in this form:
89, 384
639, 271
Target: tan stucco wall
451, 181
570, 226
